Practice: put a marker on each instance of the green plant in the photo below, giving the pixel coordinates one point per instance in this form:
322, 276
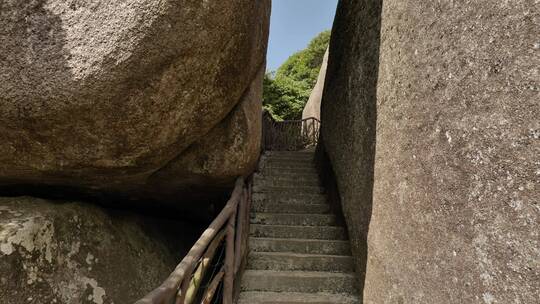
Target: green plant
287, 90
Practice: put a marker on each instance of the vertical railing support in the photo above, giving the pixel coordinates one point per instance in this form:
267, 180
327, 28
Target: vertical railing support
240, 230
181, 298
184, 283
228, 282
289, 135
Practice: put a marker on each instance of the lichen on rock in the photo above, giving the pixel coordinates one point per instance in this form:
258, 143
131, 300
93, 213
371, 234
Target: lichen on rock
72, 252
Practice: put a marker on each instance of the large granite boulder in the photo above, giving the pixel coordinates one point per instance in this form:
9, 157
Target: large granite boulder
430, 118
103, 95
313, 106
74, 253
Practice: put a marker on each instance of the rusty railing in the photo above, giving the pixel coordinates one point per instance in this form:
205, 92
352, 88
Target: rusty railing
289, 135
230, 229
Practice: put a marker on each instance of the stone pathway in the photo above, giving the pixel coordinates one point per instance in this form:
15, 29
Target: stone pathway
299, 252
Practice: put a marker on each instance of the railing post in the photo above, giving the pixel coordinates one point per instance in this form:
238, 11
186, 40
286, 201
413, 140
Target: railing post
313, 128
240, 226
228, 282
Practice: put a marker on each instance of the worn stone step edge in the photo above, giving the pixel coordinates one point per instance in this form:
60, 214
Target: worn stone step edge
298, 281
289, 173
300, 261
293, 183
286, 177
294, 219
289, 167
300, 245
307, 232
289, 158
286, 171
258, 206
290, 200
287, 189
261, 297
286, 181
288, 163
288, 196
289, 153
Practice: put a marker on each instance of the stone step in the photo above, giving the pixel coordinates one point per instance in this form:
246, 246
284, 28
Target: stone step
295, 167
297, 219
289, 189
281, 169
290, 160
289, 154
296, 232
289, 172
331, 247
298, 281
287, 183
290, 175
258, 297
302, 162
262, 206
282, 156
299, 261
289, 197
280, 181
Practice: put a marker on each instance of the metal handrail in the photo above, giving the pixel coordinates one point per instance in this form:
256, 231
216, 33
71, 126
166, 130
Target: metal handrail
232, 223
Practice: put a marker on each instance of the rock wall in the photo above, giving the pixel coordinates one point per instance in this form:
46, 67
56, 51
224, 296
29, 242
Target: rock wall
313, 106
224, 154
73, 253
103, 95
430, 121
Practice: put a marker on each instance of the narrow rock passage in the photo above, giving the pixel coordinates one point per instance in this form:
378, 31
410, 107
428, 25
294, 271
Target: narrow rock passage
299, 252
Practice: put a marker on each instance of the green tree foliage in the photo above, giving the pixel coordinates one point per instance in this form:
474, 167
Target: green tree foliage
287, 90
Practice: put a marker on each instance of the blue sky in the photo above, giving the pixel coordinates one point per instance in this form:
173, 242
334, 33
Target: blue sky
294, 23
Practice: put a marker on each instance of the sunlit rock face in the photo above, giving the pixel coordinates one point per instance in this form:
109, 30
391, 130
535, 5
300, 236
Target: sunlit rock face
74, 253
430, 120
103, 95
313, 106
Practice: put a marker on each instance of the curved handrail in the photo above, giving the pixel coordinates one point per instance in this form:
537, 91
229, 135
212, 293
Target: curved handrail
299, 120
173, 289
267, 114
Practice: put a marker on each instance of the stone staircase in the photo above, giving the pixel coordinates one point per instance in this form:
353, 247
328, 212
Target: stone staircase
299, 252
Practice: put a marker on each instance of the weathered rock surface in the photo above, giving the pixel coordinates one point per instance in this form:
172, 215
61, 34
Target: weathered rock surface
75, 253
222, 155
103, 95
313, 106
434, 140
